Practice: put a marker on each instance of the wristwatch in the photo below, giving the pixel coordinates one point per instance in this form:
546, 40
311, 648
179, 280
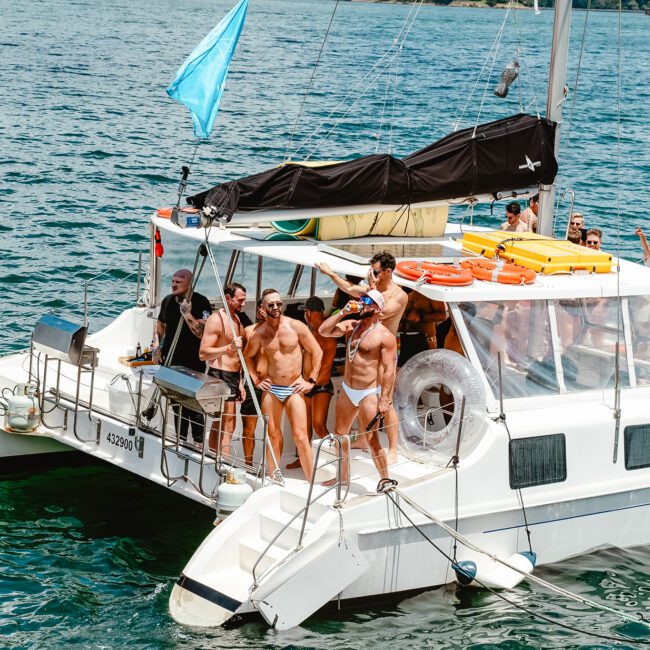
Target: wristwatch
311, 381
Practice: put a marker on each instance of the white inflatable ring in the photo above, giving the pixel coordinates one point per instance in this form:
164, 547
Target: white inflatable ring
420, 373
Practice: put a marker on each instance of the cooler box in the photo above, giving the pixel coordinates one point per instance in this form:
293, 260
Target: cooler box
538, 252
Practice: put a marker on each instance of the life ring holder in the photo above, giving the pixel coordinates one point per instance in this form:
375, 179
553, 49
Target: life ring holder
421, 372
432, 273
499, 271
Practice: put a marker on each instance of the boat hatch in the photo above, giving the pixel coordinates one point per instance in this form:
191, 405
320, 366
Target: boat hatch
360, 253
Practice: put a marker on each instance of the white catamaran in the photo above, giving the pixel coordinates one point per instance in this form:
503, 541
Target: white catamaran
542, 454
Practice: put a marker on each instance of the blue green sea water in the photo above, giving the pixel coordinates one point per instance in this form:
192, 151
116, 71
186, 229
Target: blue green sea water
91, 144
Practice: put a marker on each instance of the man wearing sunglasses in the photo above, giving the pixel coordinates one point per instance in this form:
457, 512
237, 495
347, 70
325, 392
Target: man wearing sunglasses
594, 238
319, 397
220, 348
380, 277
282, 346
513, 222
577, 221
369, 373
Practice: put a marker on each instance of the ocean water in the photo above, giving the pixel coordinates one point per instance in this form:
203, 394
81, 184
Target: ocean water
91, 144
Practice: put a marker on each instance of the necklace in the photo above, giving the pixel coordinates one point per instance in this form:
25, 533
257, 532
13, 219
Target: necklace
353, 349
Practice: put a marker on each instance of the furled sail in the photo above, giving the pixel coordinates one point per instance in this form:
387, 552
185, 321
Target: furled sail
512, 153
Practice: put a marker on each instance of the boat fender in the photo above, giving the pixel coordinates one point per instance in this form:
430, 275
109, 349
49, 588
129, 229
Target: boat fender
420, 373
483, 571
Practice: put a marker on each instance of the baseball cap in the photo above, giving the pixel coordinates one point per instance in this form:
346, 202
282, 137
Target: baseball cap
376, 297
313, 303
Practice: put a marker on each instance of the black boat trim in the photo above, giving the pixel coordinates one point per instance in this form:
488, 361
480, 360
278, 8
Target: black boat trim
208, 593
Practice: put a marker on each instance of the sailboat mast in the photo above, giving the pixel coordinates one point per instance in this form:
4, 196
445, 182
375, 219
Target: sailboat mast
555, 102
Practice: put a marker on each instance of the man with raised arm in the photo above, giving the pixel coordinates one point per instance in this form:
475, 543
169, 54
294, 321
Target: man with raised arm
319, 397
287, 346
193, 313
219, 347
369, 374
380, 277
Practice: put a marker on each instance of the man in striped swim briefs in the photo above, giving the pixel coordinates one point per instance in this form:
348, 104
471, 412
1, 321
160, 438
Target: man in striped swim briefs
284, 344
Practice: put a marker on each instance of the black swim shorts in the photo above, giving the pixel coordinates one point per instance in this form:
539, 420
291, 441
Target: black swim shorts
248, 406
321, 388
231, 378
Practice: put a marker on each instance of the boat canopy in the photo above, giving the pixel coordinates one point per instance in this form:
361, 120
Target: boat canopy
497, 157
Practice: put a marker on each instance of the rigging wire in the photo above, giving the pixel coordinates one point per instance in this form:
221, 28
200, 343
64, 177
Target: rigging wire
620, 638
383, 107
395, 54
392, 114
495, 42
311, 81
390, 54
617, 377
496, 51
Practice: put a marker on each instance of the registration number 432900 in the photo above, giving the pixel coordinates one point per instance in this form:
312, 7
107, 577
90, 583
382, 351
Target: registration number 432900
119, 441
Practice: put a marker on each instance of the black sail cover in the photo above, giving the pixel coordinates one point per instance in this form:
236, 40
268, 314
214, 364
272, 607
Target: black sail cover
512, 153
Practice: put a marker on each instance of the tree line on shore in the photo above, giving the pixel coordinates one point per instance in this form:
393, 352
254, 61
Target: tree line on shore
628, 5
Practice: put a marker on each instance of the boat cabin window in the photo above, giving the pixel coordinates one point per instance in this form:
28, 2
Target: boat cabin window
288, 278
637, 446
639, 307
588, 330
521, 331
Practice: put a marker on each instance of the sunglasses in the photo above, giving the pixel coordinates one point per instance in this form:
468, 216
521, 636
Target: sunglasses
275, 304
367, 301
592, 243
376, 272
576, 223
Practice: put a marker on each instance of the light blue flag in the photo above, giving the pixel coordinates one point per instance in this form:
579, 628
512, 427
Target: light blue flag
200, 80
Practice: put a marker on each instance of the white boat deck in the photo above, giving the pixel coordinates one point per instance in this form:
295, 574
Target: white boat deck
632, 279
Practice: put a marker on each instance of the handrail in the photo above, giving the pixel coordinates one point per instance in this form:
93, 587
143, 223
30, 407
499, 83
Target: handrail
341, 440
278, 534
339, 459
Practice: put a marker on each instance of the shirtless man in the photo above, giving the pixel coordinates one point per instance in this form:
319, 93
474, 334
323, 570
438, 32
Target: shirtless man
319, 397
248, 411
369, 374
529, 215
286, 345
380, 277
219, 347
424, 315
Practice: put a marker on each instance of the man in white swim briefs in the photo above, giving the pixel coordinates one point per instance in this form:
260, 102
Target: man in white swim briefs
278, 345
370, 358
380, 277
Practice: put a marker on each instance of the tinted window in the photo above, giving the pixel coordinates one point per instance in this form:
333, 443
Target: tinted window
637, 446
537, 461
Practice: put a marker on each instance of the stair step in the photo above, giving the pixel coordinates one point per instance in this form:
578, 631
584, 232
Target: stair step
233, 581
291, 503
362, 465
250, 550
271, 523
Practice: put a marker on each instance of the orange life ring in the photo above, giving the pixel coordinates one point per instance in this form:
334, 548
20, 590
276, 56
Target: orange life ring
166, 213
502, 272
431, 273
